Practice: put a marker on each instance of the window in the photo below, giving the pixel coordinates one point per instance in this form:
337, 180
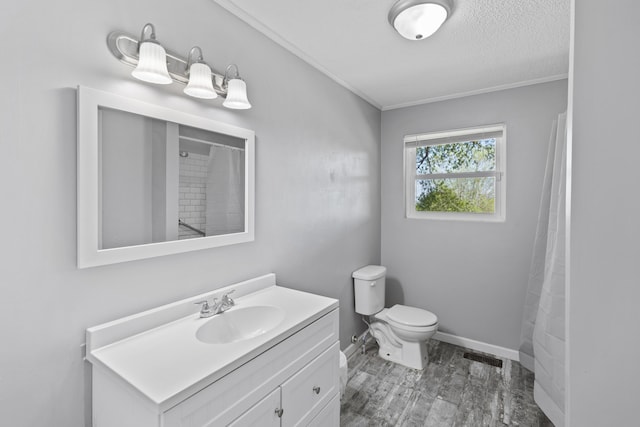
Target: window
456, 174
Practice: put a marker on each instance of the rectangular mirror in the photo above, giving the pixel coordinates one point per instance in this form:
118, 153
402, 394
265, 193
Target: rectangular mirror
154, 181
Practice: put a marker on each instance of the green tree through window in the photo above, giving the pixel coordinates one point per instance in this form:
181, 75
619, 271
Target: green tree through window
450, 194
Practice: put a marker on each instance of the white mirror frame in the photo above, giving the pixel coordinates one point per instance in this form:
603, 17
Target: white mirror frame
89, 254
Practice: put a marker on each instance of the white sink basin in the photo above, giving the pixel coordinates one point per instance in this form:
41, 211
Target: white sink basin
239, 324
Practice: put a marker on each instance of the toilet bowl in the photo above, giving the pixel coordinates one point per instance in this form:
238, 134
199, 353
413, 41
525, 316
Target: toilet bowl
401, 331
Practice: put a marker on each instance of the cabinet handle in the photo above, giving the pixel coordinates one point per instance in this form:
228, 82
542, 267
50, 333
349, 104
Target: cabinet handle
316, 389
279, 412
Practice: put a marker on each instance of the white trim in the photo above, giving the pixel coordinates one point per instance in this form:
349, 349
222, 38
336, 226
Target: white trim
457, 135
270, 33
455, 216
568, 406
526, 360
89, 253
480, 174
484, 347
476, 92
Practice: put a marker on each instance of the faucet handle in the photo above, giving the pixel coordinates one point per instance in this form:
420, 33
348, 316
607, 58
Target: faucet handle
228, 301
205, 308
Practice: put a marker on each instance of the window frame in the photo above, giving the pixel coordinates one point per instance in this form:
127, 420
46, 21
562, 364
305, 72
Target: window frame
411, 142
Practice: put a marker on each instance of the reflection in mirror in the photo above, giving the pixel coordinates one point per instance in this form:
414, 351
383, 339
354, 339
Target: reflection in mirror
154, 181
211, 185
163, 181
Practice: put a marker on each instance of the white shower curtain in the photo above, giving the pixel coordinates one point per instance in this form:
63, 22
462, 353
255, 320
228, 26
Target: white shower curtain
225, 191
542, 346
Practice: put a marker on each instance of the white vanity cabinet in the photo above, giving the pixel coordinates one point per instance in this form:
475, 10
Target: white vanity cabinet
164, 377
301, 398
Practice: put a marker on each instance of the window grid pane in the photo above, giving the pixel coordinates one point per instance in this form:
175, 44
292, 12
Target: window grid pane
469, 156
472, 195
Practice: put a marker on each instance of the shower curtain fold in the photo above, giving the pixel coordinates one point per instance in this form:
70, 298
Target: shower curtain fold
542, 346
225, 191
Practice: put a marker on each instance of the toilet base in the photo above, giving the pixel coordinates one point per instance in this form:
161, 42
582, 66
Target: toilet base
411, 354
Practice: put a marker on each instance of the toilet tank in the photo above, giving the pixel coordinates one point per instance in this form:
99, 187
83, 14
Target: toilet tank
369, 284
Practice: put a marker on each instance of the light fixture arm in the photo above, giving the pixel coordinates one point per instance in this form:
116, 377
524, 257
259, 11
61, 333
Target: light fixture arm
236, 74
152, 35
190, 57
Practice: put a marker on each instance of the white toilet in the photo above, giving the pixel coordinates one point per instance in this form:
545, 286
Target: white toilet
402, 332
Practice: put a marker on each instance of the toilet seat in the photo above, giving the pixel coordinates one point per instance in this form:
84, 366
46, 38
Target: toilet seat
403, 316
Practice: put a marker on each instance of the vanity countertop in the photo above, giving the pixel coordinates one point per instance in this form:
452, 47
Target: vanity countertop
167, 363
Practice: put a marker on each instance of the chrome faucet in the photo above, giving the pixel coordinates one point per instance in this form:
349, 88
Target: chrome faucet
225, 304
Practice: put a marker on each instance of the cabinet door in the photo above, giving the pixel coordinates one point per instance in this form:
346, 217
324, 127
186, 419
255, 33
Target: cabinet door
263, 413
307, 392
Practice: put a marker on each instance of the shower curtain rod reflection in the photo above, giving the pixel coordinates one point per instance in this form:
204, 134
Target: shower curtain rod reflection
204, 141
184, 224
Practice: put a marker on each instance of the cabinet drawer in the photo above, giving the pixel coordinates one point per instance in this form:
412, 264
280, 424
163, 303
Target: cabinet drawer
307, 392
262, 413
329, 416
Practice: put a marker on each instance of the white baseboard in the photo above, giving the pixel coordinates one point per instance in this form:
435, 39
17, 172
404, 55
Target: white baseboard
484, 347
478, 346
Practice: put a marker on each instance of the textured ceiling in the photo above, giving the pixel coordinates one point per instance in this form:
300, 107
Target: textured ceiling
484, 45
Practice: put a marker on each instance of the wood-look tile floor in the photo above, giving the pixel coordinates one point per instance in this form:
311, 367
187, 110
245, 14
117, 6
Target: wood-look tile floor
451, 391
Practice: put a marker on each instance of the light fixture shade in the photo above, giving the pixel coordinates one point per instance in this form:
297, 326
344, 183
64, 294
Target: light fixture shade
152, 64
416, 19
200, 84
237, 95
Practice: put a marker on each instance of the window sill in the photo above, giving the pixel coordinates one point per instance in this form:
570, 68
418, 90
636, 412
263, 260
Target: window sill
456, 216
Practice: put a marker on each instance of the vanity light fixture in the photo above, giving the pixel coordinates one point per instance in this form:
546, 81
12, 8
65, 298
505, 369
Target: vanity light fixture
236, 90
200, 84
154, 64
418, 19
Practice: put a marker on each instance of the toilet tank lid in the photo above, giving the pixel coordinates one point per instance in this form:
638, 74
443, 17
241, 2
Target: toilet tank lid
370, 272
411, 316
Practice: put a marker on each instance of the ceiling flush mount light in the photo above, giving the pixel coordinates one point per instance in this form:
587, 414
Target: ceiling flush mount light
236, 90
154, 64
418, 19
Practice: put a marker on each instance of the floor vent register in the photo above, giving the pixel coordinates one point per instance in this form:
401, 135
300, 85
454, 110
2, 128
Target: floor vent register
483, 359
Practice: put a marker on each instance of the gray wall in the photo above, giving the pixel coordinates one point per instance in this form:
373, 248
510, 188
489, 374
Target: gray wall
317, 186
604, 291
472, 275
